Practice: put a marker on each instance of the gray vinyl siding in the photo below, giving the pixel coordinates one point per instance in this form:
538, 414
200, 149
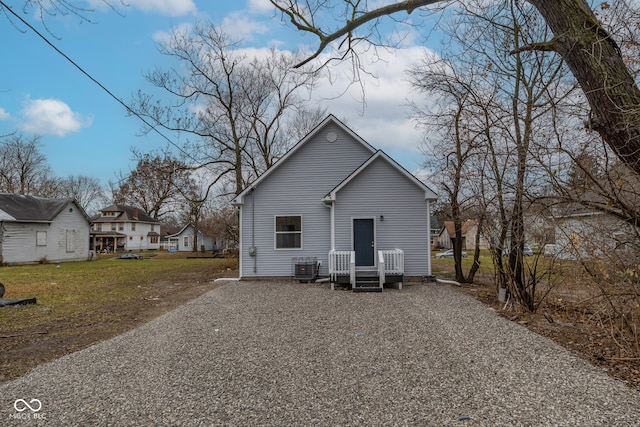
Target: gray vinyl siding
382, 191
203, 240
19, 239
297, 187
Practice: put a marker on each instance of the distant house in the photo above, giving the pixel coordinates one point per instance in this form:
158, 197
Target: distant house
469, 232
121, 228
337, 201
182, 241
587, 226
586, 233
35, 229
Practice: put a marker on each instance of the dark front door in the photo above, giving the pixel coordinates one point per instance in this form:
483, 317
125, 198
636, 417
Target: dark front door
364, 242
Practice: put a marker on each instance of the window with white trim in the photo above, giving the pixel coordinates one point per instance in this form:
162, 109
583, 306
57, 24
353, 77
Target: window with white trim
41, 238
288, 232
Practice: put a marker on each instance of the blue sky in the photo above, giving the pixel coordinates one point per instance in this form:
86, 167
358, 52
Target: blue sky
86, 132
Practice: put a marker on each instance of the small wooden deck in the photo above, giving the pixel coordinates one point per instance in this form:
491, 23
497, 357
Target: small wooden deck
390, 269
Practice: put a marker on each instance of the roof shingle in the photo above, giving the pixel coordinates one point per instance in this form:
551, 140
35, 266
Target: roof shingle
18, 207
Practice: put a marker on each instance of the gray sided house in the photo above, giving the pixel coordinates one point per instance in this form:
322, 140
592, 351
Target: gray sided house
182, 241
335, 199
587, 234
35, 229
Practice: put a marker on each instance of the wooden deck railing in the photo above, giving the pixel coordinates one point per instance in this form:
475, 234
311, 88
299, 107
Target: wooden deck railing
390, 263
342, 263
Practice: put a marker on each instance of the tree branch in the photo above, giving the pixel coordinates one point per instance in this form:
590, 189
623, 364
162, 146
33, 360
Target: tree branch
301, 23
549, 46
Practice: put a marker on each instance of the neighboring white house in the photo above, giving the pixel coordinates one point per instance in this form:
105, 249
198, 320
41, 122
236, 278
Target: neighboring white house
35, 229
585, 234
182, 241
121, 228
335, 199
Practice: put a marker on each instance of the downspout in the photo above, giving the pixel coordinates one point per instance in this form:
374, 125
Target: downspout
429, 237
252, 249
240, 237
333, 226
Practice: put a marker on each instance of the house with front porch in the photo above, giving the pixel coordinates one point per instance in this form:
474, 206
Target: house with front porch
121, 228
335, 206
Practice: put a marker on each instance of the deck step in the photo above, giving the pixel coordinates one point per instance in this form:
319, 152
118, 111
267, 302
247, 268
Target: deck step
367, 281
367, 289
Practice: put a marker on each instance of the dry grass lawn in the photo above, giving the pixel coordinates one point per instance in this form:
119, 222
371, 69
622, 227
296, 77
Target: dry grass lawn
82, 303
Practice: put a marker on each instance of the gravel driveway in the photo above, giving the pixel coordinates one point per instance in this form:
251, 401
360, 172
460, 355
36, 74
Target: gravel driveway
289, 354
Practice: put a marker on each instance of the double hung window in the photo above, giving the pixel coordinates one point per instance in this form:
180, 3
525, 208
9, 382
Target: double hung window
288, 232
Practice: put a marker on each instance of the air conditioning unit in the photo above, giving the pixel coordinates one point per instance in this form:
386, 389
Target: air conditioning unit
305, 268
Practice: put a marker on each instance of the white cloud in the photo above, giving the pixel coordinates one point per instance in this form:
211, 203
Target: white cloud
381, 117
4, 115
165, 7
165, 37
239, 26
162, 7
51, 117
260, 6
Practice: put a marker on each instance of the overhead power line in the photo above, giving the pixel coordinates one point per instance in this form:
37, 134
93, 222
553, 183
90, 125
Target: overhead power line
94, 80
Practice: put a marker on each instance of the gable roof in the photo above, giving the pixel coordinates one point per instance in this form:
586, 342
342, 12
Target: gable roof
450, 228
21, 208
428, 193
331, 119
125, 213
182, 230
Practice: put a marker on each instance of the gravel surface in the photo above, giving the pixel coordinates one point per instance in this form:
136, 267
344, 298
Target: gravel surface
289, 354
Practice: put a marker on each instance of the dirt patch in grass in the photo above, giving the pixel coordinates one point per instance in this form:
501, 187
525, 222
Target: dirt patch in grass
35, 334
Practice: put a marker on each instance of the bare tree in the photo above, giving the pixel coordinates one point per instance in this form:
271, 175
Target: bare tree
87, 191
47, 8
451, 140
192, 213
496, 109
153, 185
304, 121
234, 107
579, 38
23, 167
220, 220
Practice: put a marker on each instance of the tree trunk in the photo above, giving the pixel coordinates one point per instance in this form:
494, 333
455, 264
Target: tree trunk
457, 249
596, 62
476, 253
